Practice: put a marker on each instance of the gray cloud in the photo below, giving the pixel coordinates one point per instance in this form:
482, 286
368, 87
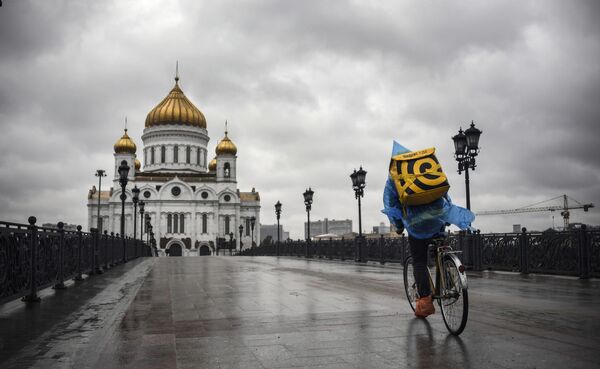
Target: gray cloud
312, 90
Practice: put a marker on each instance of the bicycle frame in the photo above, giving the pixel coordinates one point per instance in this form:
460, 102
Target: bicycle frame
441, 251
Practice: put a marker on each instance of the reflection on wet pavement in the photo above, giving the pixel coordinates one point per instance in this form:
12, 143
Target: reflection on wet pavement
263, 312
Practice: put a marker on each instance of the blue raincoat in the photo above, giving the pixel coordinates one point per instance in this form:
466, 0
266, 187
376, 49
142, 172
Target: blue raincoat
423, 221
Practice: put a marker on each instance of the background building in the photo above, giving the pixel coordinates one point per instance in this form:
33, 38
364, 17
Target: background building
271, 230
191, 201
381, 228
338, 227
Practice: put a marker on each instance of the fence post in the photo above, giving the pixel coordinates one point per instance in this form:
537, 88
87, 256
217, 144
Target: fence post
381, 252
524, 251
468, 238
307, 248
32, 297
60, 283
78, 277
125, 249
477, 259
403, 248
93, 253
105, 248
584, 251
112, 249
96, 268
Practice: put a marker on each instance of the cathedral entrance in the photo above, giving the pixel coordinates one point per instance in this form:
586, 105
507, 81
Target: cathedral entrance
204, 250
175, 250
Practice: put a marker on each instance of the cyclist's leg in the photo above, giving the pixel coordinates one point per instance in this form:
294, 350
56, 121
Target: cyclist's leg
418, 250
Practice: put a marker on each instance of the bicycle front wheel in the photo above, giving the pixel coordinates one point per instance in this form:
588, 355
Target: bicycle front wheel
410, 284
454, 298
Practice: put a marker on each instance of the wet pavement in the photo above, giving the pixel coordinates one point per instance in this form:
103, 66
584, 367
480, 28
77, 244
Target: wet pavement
264, 312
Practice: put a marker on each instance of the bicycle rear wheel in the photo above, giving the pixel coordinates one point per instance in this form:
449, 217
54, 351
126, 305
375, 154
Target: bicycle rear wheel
454, 298
410, 284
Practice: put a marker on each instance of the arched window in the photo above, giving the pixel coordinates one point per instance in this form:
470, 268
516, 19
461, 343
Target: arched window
175, 154
146, 156
188, 154
204, 153
169, 223
198, 156
204, 223
181, 223
175, 223
226, 170
247, 226
152, 155
226, 224
163, 154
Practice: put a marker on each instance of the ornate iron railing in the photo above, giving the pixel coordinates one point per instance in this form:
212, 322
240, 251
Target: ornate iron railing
575, 252
33, 258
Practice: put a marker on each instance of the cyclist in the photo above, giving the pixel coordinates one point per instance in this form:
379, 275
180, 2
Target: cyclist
422, 223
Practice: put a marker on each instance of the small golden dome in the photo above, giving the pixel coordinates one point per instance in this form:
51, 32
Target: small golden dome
226, 146
138, 165
212, 166
176, 109
125, 145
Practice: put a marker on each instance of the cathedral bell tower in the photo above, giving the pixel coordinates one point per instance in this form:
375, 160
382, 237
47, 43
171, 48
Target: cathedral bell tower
125, 149
226, 159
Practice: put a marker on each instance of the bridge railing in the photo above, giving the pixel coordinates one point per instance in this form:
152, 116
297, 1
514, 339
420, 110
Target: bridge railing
575, 252
33, 257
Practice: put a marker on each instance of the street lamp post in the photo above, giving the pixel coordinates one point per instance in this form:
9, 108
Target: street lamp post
99, 173
142, 206
466, 148
358, 184
230, 242
278, 213
147, 221
123, 173
252, 223
241, 229
150, 233
135, 198
308, 200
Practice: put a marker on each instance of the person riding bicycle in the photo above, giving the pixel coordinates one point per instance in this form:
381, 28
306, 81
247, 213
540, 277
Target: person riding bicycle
422, 223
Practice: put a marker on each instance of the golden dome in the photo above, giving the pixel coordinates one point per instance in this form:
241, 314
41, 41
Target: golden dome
226, 146
212, 166
176, 109
138, 165
125, 145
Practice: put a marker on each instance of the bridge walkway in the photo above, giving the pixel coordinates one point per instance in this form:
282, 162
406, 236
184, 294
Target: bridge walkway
264, 312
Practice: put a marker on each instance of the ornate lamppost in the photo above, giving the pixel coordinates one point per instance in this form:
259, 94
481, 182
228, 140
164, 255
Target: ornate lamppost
466, 148
147, 219
241, 229
252, 223
135, 198
99, 173
308, 200
278, 213
123, 173
142, 206
153, 241
358, 184
230, 242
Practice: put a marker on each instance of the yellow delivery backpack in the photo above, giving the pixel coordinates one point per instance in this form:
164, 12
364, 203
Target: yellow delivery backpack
418, 177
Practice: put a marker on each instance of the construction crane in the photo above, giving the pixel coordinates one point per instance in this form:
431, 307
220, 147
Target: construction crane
564, 209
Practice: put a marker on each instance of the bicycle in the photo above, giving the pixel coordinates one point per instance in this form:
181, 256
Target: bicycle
450, 287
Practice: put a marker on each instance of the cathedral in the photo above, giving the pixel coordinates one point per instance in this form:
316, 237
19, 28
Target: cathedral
194, 204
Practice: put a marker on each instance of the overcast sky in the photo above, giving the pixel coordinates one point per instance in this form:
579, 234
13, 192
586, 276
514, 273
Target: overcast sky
311, 90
